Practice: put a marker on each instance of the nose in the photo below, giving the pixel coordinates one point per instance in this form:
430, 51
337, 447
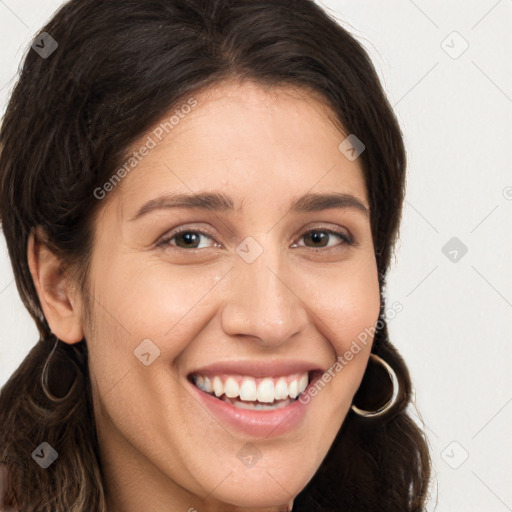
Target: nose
260, 302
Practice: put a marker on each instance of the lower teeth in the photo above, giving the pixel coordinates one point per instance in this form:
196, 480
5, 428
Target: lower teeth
256, 405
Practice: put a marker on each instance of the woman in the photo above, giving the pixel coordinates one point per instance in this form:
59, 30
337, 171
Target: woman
200, 201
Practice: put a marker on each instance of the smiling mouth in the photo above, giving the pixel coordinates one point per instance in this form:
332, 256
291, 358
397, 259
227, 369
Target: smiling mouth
246, 392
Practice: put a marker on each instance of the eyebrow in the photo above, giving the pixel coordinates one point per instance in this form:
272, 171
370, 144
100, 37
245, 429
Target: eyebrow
220, 202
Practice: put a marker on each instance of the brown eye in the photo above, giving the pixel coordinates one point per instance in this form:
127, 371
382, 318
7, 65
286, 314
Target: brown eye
320, 238
185, 239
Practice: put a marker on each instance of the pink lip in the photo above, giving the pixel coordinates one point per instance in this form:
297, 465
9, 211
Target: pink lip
257, 368
256, 423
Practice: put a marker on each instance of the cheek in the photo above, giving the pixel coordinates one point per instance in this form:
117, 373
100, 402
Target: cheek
350, 320
140, 302
150, 300
347, 301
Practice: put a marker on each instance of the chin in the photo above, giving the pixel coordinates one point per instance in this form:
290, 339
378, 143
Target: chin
263, 489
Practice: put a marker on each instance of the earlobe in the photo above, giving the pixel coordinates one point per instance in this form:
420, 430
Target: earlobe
60, 306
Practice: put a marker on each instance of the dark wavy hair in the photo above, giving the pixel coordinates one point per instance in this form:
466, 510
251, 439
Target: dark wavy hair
71, 118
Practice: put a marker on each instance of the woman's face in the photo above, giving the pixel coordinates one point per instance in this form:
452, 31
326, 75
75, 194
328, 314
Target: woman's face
257, 291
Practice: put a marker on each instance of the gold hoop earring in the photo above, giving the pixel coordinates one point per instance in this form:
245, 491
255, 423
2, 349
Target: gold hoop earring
391, 402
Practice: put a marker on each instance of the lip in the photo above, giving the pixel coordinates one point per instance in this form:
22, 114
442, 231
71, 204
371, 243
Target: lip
257, 369
256, 423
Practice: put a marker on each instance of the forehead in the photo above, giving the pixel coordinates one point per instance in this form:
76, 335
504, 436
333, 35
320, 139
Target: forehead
258, 144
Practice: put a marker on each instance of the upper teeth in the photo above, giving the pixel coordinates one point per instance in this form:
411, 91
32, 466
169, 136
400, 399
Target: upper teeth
252, 389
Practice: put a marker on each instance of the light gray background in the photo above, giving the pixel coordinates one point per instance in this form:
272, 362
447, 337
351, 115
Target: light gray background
454, 329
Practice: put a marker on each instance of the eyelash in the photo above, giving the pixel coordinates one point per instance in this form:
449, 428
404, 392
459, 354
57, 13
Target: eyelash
165, 242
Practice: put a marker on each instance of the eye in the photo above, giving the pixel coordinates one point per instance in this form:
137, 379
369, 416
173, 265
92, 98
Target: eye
189, 238
318, 236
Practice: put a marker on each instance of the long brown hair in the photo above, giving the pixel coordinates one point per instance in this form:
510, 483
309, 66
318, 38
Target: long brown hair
70, 120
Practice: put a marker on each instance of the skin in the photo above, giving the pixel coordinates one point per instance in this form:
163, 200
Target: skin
160, 449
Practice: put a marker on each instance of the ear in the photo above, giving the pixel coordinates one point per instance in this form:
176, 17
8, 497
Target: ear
60, 305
